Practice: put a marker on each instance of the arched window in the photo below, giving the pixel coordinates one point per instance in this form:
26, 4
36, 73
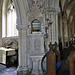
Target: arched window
11, 20
36, 26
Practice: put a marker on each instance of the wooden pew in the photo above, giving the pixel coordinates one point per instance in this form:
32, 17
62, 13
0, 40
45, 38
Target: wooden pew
57, 52
51, 62
71, 60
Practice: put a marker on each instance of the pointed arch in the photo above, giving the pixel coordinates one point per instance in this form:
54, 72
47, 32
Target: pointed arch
5, 30
35, 26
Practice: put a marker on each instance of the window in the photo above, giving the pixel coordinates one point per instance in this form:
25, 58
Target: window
36, 26
11, 20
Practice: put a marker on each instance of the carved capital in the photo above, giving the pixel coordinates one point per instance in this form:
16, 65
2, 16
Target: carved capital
22, 70
57, 9
21, 27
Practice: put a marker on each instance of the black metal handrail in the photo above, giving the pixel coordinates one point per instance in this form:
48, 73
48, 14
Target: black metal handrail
42, 62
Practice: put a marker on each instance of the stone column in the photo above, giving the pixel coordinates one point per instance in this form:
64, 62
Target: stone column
0, 27
52, 29
50, 33
23, 67
55, 28
65, 33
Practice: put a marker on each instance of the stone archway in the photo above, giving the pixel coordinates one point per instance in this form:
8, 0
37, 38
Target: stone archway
21, 9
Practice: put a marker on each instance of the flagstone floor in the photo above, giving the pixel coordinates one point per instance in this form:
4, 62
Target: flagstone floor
7, 71
64, 70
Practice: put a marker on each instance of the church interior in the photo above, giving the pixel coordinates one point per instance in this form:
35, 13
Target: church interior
37, 37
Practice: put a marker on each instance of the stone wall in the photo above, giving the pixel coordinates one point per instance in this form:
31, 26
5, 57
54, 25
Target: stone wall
10, 41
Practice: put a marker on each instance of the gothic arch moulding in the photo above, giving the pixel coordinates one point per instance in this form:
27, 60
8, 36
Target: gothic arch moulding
21, 10
35, 13
4, 9
18, 12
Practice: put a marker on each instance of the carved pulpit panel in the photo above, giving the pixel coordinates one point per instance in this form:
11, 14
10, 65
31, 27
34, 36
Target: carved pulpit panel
36, 43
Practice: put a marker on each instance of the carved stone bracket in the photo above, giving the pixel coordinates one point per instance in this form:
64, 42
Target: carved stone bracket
21, 27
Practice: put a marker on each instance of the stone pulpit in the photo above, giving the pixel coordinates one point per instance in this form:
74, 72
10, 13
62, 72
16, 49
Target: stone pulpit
35, 33
36, 51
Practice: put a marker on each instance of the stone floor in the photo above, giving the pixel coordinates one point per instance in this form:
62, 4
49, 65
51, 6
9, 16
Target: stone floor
64, 69
7, 71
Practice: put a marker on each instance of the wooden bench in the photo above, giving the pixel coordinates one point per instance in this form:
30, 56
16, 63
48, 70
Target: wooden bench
71, 59
51, 62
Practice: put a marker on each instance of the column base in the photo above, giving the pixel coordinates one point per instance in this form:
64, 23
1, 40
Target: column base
22, 71
35, 72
